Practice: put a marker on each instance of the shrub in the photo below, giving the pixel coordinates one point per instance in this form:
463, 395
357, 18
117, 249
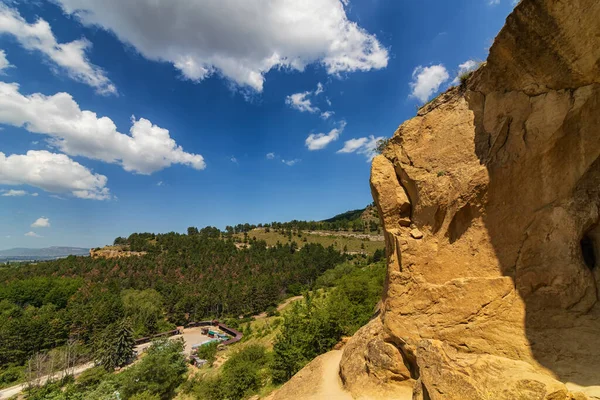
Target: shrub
208, 352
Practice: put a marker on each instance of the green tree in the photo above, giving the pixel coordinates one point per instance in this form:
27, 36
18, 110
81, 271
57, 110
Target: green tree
115, 345
208, 352
158, 373
144, 308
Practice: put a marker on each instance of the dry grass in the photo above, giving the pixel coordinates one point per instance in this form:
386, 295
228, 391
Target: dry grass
353, 245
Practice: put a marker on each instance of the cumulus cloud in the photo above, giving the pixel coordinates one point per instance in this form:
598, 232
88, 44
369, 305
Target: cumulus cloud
4, 64
14, 193
291, 163
233, 160
41, 222
363, 145
239, 39
32, 234
301, 102
320, 140
427, 80
467, 66
148, 147
327, 114
54, 173
69, 56
270, 156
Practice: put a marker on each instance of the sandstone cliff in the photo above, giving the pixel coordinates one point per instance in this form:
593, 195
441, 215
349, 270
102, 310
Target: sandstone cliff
490, 203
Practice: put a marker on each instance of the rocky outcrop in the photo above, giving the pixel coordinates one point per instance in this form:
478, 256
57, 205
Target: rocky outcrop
490, 204
114, 252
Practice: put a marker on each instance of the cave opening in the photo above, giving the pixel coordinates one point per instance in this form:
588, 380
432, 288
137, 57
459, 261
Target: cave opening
588, 252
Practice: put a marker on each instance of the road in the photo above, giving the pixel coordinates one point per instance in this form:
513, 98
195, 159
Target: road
190, 335
13, 390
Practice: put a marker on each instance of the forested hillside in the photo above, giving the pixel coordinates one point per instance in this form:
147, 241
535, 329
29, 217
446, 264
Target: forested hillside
182, 278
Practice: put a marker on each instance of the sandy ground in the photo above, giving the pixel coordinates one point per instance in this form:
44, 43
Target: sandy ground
191, 336
317, 381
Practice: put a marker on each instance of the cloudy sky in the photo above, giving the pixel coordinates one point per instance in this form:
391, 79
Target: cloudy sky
155, 115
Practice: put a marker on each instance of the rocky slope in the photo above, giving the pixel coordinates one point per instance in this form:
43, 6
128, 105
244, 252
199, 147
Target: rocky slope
490, 201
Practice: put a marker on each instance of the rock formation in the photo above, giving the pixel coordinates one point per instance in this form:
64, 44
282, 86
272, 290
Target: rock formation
490, 204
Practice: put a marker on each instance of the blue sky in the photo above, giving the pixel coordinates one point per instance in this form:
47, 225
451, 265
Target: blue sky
134, 116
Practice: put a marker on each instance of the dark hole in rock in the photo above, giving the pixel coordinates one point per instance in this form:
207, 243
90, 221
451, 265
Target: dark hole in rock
588, 252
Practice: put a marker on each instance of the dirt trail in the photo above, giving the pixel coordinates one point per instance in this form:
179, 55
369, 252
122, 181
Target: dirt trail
280, 307
319, 380
331, 384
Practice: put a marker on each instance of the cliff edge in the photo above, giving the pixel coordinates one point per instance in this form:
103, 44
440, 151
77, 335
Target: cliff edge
490, 204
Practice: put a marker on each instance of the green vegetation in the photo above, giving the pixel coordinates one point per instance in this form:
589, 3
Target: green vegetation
58, 314
464, 78
382, 144
208, 352
182, 278
340, 241
243, 374
155, 377
114, 347
314, 326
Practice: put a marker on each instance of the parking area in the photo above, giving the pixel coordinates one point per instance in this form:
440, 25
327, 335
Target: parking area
191, 336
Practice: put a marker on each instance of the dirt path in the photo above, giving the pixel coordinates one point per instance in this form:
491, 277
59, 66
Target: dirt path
319, 380
280, 307
331, 384
11, 391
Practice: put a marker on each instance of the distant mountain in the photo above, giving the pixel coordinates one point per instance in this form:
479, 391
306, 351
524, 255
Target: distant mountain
21, 253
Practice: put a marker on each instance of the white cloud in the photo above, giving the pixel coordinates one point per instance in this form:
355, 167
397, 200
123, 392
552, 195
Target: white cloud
239, 39
52, 172
319, 89
32, 234
55, 196
270, 156
41, 223
321, 140
77, 132
70, 56
467, 66
233, 160
291, 163
300, 102
4, 64
427, 80
327, 114
159, 183
364, 145
350, 146
14, 193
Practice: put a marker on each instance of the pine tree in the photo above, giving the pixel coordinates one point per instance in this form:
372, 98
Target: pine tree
115, 346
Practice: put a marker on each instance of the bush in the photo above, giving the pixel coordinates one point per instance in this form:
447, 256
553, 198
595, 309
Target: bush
158, 373
10, 375
208, 352
91, 378
242, 375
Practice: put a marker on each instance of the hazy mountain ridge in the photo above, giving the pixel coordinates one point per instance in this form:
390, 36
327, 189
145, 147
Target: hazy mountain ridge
46, 252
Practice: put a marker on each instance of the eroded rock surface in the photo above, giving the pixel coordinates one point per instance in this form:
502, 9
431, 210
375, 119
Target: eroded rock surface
490, 203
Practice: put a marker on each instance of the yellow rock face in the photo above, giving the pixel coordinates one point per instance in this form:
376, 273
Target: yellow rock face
490, 204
